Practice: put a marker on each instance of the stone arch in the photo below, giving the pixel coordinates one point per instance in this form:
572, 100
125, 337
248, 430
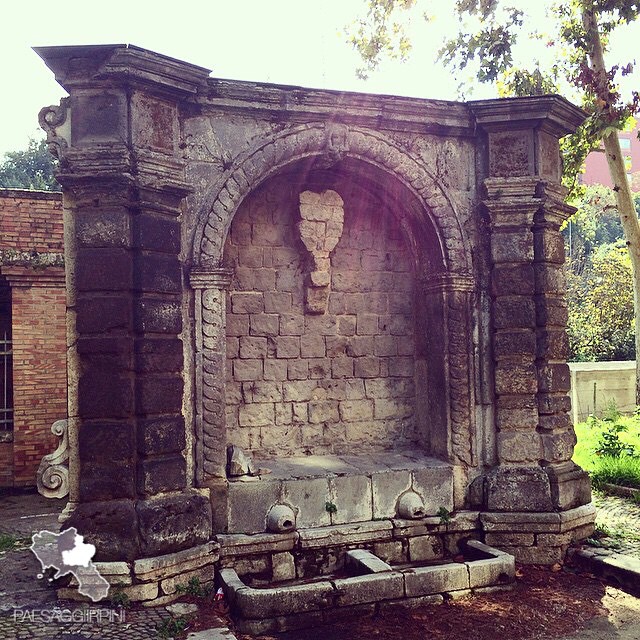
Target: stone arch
331, 142
447, 291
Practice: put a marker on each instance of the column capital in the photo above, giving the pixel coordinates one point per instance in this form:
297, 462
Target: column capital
219, 278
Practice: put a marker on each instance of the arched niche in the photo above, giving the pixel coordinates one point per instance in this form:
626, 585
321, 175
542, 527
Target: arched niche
385, 186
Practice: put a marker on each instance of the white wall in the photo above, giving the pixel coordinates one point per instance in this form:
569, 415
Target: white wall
594, 385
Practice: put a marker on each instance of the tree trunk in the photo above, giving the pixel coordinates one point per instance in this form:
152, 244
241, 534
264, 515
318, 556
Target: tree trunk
617, 171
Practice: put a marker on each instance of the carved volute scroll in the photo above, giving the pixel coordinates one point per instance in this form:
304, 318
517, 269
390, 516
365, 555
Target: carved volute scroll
52, 477
320, 227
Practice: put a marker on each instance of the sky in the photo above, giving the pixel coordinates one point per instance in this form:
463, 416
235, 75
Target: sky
297, 42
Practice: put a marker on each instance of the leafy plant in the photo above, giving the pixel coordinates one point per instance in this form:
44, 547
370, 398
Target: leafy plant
194, 588
172, 627
444, 514
610, 444
330, 507
119, 598
7, 542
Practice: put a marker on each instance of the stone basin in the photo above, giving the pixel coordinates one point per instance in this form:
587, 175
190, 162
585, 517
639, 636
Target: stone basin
374, 584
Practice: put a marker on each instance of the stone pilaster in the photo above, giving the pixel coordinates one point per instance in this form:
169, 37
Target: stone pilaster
210, 357
524, 201
117, 138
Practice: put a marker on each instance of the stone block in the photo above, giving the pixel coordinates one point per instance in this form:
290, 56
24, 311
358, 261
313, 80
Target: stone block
111, 526
537, 554
319, 368
513, 280
519, 446
172, 564
140, 592
515, 312
424, 581
570, 489
161, 474
342, 367
171, 523
247, 370
515, 379
275, 369
401, 366
277, 302
258, 604
390, 408
361, 561
392, 552
299, 390
309, 498
510, 539
387, 486
283, 566
347, 325
366, 324
521, 522
369, 588
425, 548
237, 324
249, 503
492, 571
287, 346
352, 498
554, 378
253, 347
323, 411
263, 324
312, 346
241, 544
247, 302
297, 369
345, 534
524, 418
518, 489
360, 346
367, 367
291, 324
435, 485
256, 415
356, 410
204, 575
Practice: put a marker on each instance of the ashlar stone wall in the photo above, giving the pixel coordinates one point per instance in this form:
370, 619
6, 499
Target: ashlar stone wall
333, 382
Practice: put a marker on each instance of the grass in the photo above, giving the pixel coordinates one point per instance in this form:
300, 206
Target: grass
7, 542
609, 448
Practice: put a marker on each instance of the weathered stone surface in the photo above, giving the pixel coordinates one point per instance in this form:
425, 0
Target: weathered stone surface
160, 567
431, 580
362, 561
249, 503
369, 588
283, 566
345, 534
425, 548
352, 498
204, 576
492, 571
387, 487
173, 523
518, 489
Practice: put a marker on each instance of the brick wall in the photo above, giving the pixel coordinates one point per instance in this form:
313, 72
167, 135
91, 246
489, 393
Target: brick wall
338, 382
31, 223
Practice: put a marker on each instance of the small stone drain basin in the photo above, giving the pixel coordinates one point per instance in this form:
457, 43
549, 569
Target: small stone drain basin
295, 606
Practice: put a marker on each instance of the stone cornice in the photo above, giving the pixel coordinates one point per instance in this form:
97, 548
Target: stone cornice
298, 104
552, 112
76, 65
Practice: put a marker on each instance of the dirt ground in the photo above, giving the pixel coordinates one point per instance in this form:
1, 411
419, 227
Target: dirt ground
544, 605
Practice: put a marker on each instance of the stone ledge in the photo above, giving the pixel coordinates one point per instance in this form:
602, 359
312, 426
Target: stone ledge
345, 534
617, 568
236, 544
171, 564
363, 561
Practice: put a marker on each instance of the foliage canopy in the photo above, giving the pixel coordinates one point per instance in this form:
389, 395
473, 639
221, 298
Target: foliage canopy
32, 168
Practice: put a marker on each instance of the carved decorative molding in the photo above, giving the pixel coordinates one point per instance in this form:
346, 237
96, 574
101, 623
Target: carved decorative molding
52, 477
272, 154
210, 299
